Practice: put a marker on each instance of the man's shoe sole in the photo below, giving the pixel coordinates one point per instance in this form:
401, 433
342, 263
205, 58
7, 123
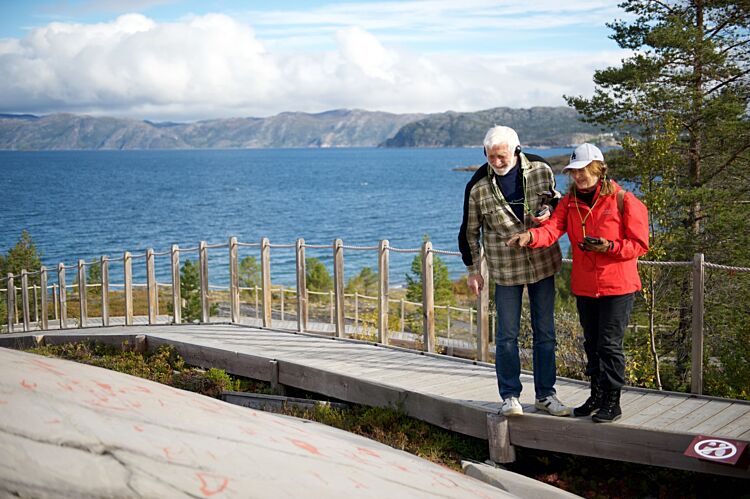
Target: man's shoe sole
563, 413
512, 413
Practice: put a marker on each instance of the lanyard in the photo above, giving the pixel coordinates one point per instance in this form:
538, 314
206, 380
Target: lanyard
582, 218
499, 196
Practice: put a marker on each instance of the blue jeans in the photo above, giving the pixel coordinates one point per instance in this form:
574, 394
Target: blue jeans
507, 361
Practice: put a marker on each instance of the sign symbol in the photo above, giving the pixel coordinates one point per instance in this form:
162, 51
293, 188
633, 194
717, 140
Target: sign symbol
715, 449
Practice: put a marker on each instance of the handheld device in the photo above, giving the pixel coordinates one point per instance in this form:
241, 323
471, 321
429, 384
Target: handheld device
542, 212
591, 240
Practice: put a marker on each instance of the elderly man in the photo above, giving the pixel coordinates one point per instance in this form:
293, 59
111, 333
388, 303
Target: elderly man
509, 194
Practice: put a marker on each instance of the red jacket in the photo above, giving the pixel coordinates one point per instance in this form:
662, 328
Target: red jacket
600, 274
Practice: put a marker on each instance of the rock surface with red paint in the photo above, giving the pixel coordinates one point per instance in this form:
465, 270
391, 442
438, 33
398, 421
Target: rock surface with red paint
68, 429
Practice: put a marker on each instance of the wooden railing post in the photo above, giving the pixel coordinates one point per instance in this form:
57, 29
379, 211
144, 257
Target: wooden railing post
356, 309
127, 262
25, 299
62, 295
36, 304
332, 306
265, 264
301, 286
383, 284
234, 280
104, 261
428, 297
696, 377
55, 301
11, 302
403, 315
483, 312
338, 286
176, 296
82, 304
151, 289
43, 296
203, 265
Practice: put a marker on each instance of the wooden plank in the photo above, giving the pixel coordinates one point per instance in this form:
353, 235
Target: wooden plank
436, 410
647, 413
639, 404
241, 364
737, 427
611, 441
700, 415
684, 408
726, 416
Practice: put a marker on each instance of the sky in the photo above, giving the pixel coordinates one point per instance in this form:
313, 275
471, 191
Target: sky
186, 60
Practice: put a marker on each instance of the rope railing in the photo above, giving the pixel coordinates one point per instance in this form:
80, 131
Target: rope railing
265, 293
404, 250
317, 246
216, 246
360, 248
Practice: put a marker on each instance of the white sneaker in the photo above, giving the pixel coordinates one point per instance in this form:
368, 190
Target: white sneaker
511, 407
552, 405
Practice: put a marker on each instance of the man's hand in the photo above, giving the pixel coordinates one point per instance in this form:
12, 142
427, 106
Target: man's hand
521, 240
600, 246
476, 283
544, 216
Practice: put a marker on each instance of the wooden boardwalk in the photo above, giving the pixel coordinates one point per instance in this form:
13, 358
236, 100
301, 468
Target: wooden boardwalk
456, 394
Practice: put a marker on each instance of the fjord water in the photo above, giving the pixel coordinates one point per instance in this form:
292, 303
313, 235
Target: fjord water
84, 204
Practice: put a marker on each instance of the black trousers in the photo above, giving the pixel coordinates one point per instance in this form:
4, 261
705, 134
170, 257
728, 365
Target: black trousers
604, 321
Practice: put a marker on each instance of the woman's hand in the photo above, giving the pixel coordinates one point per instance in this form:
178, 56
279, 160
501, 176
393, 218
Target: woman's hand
542, 215
600, 246
520, 240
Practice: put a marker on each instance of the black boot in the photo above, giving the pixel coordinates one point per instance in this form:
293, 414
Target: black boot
592, 403
610, 409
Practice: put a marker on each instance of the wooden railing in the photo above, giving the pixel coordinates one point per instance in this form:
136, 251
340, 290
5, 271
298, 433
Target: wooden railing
337, 296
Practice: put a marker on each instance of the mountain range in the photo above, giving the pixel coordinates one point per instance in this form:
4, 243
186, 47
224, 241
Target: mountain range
537, 126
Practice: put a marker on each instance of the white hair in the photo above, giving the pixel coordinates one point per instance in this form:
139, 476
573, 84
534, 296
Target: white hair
498, 135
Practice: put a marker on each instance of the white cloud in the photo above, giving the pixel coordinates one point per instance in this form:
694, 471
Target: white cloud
214, 66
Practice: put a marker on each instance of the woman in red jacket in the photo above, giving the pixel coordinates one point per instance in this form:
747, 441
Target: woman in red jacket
608, 231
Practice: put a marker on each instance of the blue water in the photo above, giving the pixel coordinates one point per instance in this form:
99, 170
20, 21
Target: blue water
84, 204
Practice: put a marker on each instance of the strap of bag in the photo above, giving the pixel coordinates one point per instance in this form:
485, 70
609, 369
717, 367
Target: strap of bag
621, 201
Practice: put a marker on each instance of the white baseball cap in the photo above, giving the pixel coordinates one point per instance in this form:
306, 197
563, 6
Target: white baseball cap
583, 155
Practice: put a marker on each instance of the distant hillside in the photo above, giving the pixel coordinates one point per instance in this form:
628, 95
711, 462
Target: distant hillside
556, 126
343, 128
537, 126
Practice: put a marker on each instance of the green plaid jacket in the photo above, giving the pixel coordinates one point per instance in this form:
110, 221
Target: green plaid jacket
488, 220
